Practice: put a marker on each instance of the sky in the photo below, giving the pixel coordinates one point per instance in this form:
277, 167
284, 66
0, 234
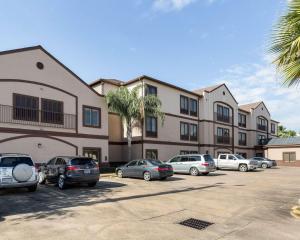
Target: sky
189, 43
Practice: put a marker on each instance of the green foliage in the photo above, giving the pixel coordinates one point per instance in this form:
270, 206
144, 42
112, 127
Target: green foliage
286, 44
283, 132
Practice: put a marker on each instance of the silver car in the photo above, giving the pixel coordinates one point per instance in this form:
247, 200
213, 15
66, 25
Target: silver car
265, 162
193, 164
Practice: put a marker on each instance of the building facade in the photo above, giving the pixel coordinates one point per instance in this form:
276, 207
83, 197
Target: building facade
207, 120
46, 110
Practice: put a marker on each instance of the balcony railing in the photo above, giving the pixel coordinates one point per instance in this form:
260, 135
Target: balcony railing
34, 117
261, 127
222, 118
223, 139
242, 124
262, 141
242, 142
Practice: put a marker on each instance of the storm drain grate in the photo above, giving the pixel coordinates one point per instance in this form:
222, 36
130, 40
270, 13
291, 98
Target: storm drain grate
195, 223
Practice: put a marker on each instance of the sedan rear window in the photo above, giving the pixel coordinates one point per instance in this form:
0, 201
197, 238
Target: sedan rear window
82, 161
155, 162
207, 158
14, 161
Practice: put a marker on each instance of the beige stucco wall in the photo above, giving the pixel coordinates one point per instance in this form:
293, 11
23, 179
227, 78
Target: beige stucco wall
277, 153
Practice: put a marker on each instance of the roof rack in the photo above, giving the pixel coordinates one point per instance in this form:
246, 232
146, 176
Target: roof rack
8, 154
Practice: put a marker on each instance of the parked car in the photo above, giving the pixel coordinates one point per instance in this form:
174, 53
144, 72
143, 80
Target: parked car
265, 162
235, 162
17, 171
66, 170
193, 164
145, 168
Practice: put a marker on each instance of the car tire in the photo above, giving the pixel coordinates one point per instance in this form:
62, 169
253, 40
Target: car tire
147, 176
120, 174
243, 168
42, 178
92, 184
264, 165
32, 188
61, 182
205, 173
194, 171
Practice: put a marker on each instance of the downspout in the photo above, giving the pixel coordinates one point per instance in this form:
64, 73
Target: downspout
142, 122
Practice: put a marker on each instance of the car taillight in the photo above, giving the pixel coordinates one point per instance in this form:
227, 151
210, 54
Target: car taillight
205, 164
72, 168
162, 169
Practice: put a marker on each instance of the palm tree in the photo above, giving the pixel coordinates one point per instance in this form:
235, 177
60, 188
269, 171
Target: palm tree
132, 106
286, 44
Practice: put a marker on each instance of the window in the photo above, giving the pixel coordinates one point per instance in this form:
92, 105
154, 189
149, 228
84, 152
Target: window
94, 153
150, 90
132, 163
242, 120
223, 135
222, 156
184, 159
60, 161
184, 131
151, 126
262, 124
52, 111
289, 156
14, 161
91, 117
273, 128
193, 132
184, 105
82, 161
142, 163
262, 140
25, 108
194, 158
193, 107
175, 159
242, 138
151, 154
222, 113
185, 152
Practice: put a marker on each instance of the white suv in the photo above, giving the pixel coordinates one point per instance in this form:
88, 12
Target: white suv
17, 170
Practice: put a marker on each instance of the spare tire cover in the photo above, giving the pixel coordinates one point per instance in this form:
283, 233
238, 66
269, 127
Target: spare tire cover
22, 172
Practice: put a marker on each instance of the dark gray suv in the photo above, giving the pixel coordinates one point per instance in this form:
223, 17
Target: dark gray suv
66, 170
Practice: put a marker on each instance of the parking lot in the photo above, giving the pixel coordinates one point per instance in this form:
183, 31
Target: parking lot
252, 205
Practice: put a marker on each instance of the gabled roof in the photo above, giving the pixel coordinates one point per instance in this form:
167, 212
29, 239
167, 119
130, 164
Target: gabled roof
106, 80
39, 47
284, 141
249, 106
213, 88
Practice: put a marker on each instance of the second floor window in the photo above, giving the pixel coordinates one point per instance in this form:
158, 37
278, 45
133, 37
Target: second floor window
262, 140
91, 117
193, 132
52, 111
184, 131
222, 113
262, 124
184, 105
151, 126
273, 128
25, 108
223, 135
150, 90
193, 107
242, 138
242, 120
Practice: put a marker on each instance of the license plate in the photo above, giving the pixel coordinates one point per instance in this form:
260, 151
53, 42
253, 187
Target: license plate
6, 180
87, 171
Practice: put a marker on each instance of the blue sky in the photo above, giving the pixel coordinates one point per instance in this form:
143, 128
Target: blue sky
190, 43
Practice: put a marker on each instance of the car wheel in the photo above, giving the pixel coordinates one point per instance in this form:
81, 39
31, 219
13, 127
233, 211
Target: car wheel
92, 184
42, 178
61, 182
243, 168
264, 165
205, 173
147, 176
32, 188
120, 173
194, 171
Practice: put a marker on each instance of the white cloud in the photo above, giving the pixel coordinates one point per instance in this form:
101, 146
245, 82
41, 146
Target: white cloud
170, 5
256, 82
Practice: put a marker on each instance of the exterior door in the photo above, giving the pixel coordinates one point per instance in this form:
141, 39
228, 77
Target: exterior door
232, 162
93, 153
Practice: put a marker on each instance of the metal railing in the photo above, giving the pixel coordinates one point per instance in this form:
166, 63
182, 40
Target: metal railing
35, 117
262, 141
222, 118
242, 142
242, 124
223, 139
262, 127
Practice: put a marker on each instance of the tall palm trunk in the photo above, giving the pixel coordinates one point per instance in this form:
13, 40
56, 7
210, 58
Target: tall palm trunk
129, 139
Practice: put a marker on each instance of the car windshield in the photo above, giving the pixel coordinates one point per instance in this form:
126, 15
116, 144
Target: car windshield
155, 162
14, 161
207, 158
82, 161
239, 156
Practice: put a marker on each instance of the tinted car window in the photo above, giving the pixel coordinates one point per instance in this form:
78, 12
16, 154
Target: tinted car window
61, 161
14, 161
155, 162
142, 163
239, 156
175, 159
194, 158
207, 158
222, 156
231, 157
82, 161
184, 159
132, 163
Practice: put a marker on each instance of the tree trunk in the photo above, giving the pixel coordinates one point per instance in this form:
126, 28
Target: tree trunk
129, 138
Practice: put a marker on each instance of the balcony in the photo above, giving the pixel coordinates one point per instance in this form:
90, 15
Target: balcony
34, 117
242, 142
222, 118
223, 140
262, 141
261, 127
243, 125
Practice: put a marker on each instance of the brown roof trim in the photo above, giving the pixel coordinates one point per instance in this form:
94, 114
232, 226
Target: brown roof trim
39, 47
274, 121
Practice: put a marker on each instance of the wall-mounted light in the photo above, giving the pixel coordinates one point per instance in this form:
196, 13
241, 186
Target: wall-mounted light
39, 145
